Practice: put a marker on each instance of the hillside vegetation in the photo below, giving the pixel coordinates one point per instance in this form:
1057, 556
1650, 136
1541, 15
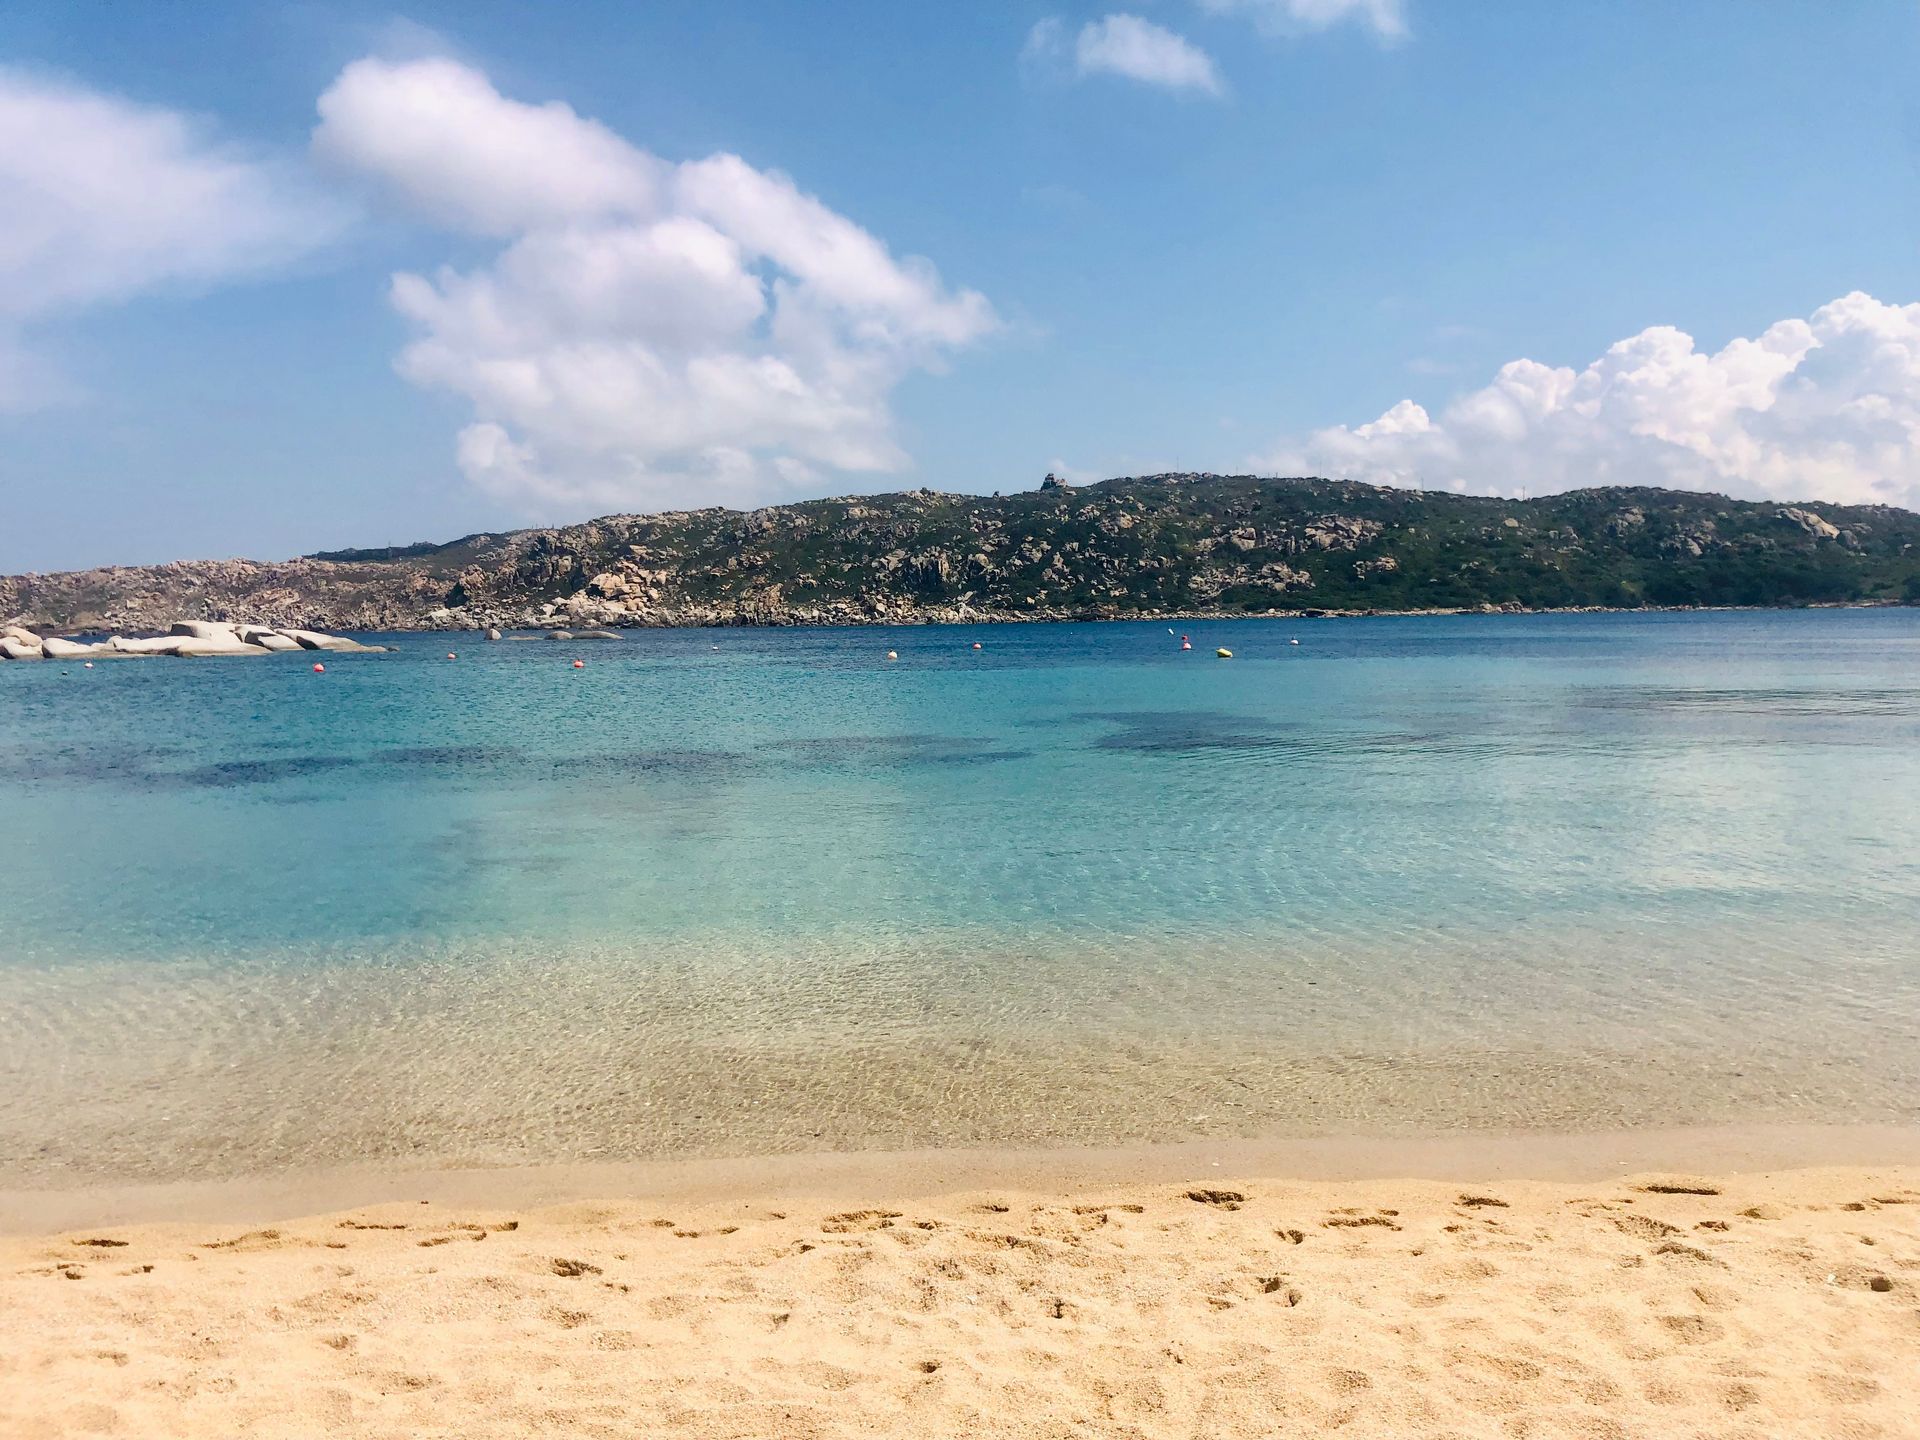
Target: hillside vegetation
1149, 546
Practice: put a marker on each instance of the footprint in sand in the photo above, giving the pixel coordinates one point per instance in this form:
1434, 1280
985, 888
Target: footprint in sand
857, 1221
1357, 1219
1644, 1227
252, 1240
1225, 1199
1674, 1249
1691, 1329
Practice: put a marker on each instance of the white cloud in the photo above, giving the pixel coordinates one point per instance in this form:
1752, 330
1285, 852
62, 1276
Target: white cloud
1386, 18
1127, 46
1826, 408
1139, 50
650, 333
104, 199
442, 139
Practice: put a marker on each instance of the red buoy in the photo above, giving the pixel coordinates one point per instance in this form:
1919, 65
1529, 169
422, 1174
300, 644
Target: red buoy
319, 669
976, 644
579, 664
452, 656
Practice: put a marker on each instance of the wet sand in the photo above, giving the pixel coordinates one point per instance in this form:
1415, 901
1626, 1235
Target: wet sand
1524, 1286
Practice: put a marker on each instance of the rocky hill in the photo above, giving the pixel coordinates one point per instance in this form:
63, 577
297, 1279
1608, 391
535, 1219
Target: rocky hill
1149, 546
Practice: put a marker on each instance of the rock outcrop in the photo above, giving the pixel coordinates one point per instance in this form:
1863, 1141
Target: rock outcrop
186, 638
1143, 547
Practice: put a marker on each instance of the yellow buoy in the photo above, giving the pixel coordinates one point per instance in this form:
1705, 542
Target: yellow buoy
1224, 653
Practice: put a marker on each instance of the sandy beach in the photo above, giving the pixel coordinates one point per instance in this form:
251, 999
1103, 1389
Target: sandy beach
1759, 1304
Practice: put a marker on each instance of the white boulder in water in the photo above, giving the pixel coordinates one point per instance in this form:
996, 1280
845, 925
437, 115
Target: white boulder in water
146, 645
187, 637
314, 640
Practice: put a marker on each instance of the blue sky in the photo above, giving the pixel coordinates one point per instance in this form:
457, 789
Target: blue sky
1292, 235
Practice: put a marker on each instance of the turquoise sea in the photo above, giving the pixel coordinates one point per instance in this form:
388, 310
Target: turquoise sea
726, 892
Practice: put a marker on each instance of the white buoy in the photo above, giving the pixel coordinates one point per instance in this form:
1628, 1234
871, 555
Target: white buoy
893, 654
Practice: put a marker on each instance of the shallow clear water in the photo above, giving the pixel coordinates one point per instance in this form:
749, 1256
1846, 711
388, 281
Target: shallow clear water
727, 891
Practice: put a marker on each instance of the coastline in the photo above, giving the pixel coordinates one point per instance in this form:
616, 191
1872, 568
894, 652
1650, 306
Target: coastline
712, 618
1451, 1157
1158, 548
866, 1296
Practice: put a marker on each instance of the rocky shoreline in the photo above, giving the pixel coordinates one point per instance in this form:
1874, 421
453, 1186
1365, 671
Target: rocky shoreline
1168, 548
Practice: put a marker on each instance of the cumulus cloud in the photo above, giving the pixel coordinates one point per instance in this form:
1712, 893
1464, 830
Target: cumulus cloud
105, 199
1386, 18
1127, 46
1826, 408
1139, 50
650, 332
